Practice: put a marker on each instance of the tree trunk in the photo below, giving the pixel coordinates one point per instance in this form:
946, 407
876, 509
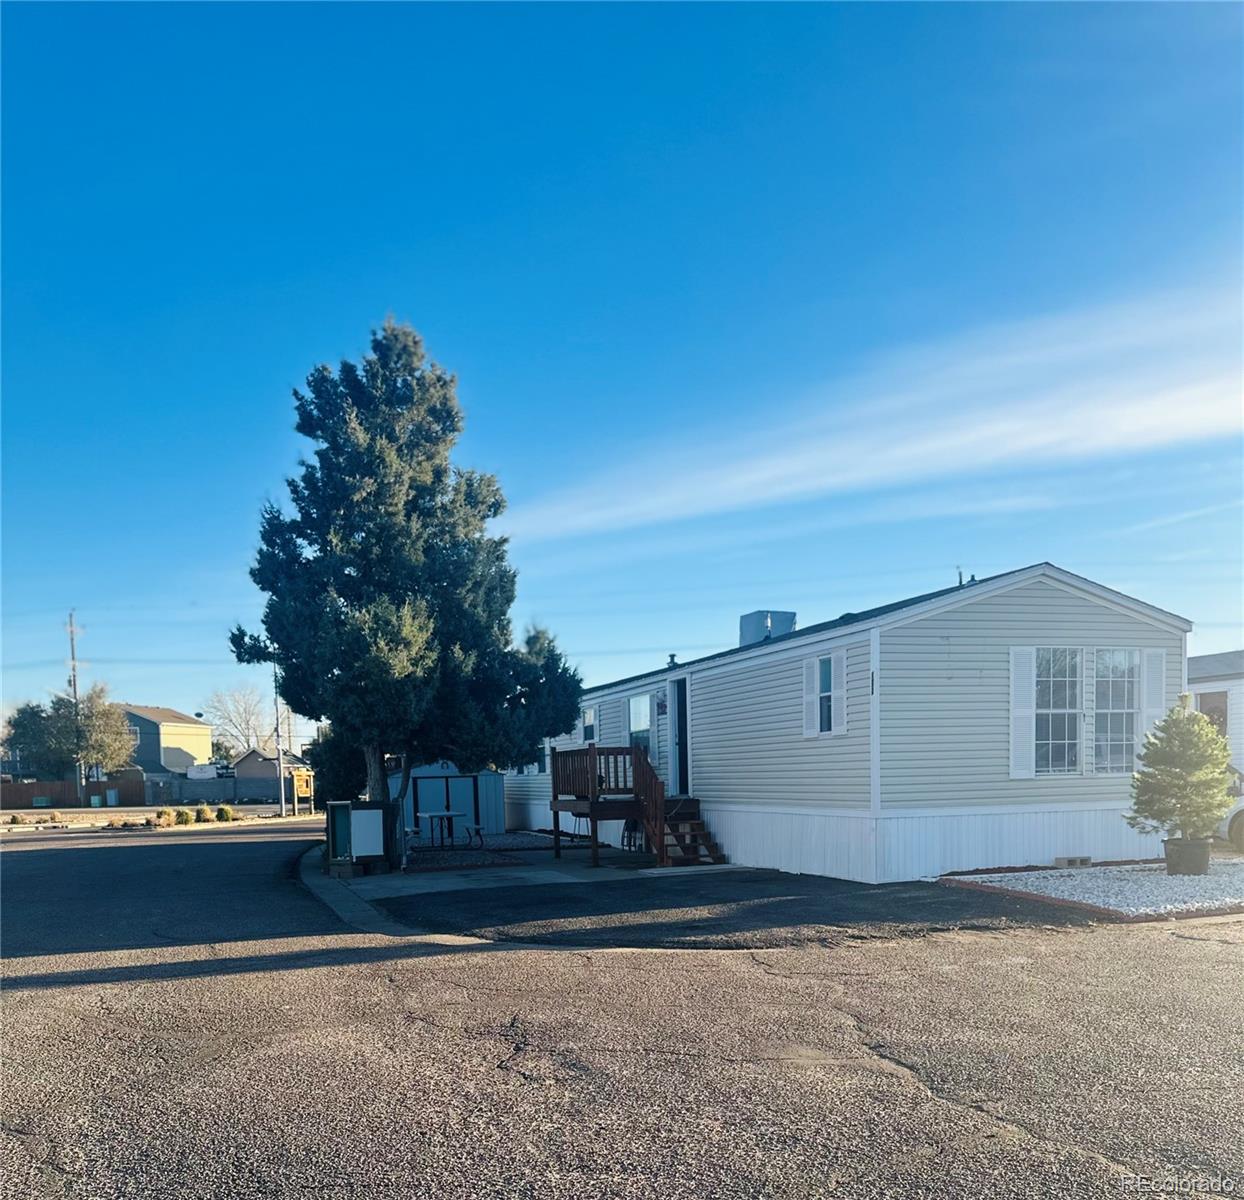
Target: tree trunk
407, 765
377, 780
378, 793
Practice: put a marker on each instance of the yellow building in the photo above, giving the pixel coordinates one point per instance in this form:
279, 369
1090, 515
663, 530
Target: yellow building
167, 741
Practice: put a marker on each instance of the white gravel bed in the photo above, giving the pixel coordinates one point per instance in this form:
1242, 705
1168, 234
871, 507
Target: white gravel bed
1134, 891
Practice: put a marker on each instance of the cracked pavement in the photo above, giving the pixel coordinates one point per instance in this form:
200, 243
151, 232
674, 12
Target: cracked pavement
182, 1019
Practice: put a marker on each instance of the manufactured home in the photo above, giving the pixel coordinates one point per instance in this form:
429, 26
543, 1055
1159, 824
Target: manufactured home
991, 724
1216, 682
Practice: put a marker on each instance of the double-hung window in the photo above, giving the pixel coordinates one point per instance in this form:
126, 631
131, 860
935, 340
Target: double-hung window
640, 719
588, 717
1116, 715
825, 694
1057, 710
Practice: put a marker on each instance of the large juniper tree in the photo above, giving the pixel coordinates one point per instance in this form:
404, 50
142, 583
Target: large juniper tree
388, 599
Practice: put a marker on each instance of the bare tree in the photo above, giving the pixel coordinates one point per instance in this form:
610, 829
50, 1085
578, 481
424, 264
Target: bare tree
241, 718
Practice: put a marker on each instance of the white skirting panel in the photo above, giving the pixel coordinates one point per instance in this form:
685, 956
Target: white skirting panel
805, 841
920, 845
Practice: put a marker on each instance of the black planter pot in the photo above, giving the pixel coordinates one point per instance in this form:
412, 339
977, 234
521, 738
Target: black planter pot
1187, 856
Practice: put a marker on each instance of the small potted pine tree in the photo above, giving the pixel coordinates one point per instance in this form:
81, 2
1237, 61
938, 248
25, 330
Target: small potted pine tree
1180, 788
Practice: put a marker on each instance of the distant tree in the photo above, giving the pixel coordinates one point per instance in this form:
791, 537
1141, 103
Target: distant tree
240, 719
44, 737
223, 751
1181, 785
388, 600
107, 744
340, 772
51, 739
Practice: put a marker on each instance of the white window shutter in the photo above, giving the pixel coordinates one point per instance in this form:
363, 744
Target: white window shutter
838, 700
1152, 691
626, 720
811, 703
1088, 712
1023, 711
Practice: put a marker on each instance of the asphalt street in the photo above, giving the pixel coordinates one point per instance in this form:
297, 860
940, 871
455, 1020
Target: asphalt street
182, 1018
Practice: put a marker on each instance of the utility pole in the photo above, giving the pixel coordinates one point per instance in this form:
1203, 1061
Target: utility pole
280, 758
77, 715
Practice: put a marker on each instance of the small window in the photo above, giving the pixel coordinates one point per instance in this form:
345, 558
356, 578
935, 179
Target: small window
825, 689
588, 717
1058, 711
542, 761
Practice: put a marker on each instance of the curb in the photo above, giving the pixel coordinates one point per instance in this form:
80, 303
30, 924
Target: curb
361, 915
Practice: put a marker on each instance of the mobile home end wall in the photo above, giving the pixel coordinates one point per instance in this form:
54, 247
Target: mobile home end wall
947, 800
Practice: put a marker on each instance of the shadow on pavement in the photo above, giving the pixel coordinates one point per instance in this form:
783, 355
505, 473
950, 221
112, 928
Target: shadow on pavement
718, 910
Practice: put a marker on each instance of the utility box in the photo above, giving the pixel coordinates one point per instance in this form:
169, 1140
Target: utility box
355, 835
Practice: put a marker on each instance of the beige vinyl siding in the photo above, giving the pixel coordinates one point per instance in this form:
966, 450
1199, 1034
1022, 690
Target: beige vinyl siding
944, 697
611, 720
747, 742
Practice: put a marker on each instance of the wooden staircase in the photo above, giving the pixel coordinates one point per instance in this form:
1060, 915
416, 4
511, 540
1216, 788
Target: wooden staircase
688, 842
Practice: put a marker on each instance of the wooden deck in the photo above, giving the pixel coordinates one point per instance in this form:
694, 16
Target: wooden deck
618, 783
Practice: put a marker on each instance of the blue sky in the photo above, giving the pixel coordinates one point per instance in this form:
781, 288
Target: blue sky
772, 306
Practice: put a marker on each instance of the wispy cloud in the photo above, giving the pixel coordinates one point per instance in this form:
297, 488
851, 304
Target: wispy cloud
1191, 514
1034, 395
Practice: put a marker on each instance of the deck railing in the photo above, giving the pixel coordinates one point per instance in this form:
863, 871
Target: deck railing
596, 772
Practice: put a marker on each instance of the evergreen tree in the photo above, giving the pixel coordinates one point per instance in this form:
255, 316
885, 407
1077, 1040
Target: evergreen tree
1181, 786
340, 772
388, 600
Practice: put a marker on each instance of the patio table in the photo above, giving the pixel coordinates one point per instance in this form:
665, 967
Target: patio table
442, 821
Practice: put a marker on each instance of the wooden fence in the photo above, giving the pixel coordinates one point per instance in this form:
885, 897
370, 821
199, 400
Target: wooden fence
109, 793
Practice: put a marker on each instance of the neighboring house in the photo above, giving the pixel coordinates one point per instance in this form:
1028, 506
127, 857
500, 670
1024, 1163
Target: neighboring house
991, 724
1216, 682
255, 764
166, 741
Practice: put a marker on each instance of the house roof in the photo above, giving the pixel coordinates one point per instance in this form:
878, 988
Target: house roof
1227, 665
162, 716
867, 616
290, 758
